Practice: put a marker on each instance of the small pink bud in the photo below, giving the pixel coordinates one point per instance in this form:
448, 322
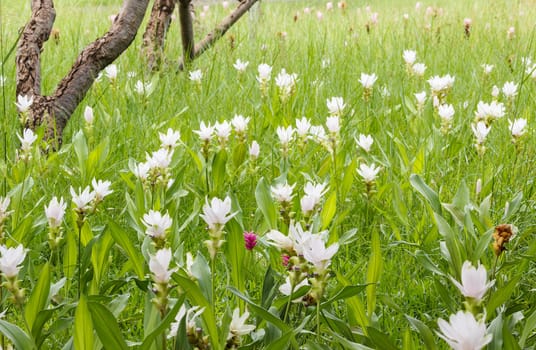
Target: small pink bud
250, 240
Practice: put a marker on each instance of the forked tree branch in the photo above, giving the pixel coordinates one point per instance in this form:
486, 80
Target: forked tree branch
220, 29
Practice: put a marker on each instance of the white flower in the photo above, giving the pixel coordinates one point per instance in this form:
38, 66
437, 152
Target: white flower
279, 240
464, 332
446, 112
318, 133
141, 171
418, 69
333, 124
170, 139
409, 56
238, 325
509, 89
55, 212
285, 134
368, 173
510, 32
223, 130
205, 131
10, 259
83, 198
420, 97
24, 102
156, 223
481, 131
488, 68
191, 314
439, 84
495, 91
286, 288
474, 281
240, 66
315, 190
254, 149
329, 6
143, 88
217, 213
302, 126
336, 105
489, 111
365, 142
315, 252
88, 115
159, 266
27, 139
286, 83
101, 189
196, 76
4, 205
368, 80
240, 123
308, 204
299, 236
159, 159
282, 192
111, 71
265, 73
517, 128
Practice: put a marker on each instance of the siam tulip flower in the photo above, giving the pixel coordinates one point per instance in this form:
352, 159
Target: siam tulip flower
24, 102
464, 332
478, 186
474, 281
488, 68
156, 224
55, 212
368, 173
217, 212
196, 76
240, 66
410, 57
316, 191
510, 33
373, 19
143, 88
440, 85
481, 131
169, 140
517, 128
265, 73
240, 123
88, 115
159, 266
333, 124
326, 62
488, 112
279, 240
315, 252
308, 204
418, 69
111, 72
250, 240
365, 142
302, 126
368, 80
286, 288
336, 106
495, 92
509, 90
446, 113
285, 135
141, 171
205, 131
286, 84
225, 4
254, 150
307, 10
159, 159
101, 189
421, 98
83, 199
318, 134
238, 325
10, 260
27, 139
191, 315
329, 6
223, 131
282, 193
4, 212
319, 15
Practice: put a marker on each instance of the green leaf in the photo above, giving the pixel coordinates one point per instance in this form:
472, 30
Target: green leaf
16, 335
329, 210
121, 237
83, 327
348, 179
424, 260
425, 332
501, 295
201, 272
266, 203
348, 344
81, 151
235, 253
430, 195
99, 259
374, 270
530, 325
162, 327
39, 297
345, 293
106, 326
513, 207
451, 242
381, 340
219, 171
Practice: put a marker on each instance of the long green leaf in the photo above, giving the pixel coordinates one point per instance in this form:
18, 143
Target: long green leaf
162, 327
381, 340
329, 210
107, 328
430, 195
501, 295
345, 293
16, 335
266, 204
219, 172
425, 332
374, 270
83, 327
39, 297
120, 237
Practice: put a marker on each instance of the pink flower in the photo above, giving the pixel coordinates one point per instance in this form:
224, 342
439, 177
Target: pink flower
250, 239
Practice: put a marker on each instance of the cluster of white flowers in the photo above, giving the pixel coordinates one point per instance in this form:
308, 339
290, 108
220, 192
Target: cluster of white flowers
87, 200
144, 89
313, 195
11, 259
216, 214
26, 142
286, 84
446, 113
415, 68
368, 172
240, 66
282, 193
111, 72
489, 112
264, 77
336, 106
24, 102
440, 86
196, 76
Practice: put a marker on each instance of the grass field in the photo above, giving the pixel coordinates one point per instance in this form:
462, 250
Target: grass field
403, 234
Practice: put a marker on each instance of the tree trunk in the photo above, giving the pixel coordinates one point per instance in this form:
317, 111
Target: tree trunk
54, 111
156, 30
220, 30
187, 30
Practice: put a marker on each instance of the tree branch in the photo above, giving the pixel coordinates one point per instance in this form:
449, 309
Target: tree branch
187, 31
220, 30
156, 30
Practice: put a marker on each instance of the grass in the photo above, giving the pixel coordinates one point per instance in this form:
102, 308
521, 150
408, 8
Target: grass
405, 143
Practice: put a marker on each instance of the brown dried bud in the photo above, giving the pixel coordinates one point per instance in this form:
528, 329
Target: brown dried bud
501, 235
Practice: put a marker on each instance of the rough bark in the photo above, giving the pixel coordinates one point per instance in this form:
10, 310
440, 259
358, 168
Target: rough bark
54, 111
187, 30
156, 30
220, 29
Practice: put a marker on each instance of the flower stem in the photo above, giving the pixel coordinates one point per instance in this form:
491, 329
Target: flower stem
318, 321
